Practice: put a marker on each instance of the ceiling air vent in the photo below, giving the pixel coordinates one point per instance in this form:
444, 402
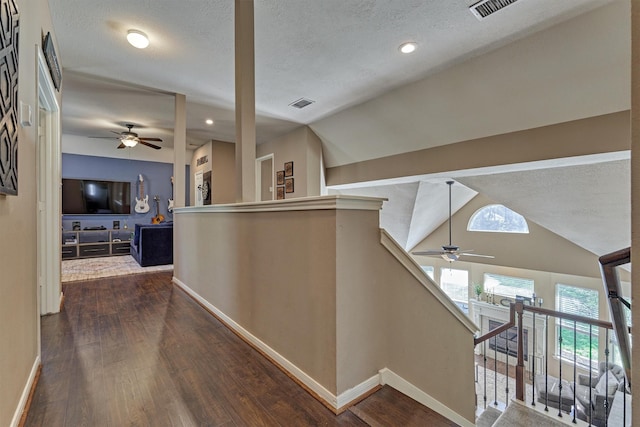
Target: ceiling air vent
484, 8
301, 103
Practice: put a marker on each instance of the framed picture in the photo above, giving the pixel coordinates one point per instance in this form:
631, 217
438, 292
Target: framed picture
280, 193
280, 177
116, 225
288, 185
75, 225
288, 169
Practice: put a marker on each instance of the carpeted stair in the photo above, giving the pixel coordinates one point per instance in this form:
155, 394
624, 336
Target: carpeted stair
517, 415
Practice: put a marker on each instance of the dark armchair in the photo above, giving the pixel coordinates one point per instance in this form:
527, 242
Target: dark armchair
152, 244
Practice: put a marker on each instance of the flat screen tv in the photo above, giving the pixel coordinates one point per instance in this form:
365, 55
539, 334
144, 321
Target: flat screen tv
94, 197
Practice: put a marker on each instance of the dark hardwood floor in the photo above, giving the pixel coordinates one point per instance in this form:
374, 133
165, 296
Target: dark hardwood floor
137, 351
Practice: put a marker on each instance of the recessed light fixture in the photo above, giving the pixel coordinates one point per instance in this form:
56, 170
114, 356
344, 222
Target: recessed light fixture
407, 47
137, 38
209, 121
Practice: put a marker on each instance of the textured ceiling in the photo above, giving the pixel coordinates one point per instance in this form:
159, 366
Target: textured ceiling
468, 79
335, 52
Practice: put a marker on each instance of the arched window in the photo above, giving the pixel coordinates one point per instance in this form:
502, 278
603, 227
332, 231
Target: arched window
497, 218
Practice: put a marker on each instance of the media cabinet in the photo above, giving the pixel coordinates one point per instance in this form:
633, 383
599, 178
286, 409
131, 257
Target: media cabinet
95, 243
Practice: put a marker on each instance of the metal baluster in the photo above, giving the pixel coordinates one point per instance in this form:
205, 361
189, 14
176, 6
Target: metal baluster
495, 371
560, 370
590, 373
546, 363
606, 379
533, 364
575, 363
624, 401
506, 385
484, 357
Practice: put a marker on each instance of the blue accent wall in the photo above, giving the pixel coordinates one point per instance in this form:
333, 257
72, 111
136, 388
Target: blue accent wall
157, 181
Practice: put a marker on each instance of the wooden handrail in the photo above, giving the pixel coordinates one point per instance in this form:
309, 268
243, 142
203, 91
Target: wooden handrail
492, 333
568, 316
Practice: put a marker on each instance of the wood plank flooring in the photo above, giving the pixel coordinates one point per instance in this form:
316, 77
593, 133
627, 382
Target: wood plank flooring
137, 351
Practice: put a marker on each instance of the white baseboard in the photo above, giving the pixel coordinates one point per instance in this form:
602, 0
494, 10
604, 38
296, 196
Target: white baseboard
25, 393
324, 394
392, 379
354, 393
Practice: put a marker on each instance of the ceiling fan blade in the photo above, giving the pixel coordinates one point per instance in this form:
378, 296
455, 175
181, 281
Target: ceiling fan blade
104, 137
150, 139
121, 146
117, 133
148, 144
429, 253
477, 255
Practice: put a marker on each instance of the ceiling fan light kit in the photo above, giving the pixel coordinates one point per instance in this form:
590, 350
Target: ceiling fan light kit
450, 252
130, 139
137, 39
129, 142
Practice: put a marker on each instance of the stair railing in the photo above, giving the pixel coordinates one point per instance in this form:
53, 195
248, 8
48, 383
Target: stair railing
516, 313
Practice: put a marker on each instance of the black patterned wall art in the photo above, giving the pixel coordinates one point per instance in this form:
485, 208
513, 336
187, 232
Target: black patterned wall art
9, 26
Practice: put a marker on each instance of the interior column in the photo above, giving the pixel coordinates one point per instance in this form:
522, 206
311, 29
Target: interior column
179, 150
635, 200
245, 102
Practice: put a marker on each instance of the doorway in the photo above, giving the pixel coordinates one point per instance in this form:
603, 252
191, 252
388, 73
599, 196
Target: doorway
48, 176
264, 178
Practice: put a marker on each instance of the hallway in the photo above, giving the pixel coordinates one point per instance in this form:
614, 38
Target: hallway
135, 350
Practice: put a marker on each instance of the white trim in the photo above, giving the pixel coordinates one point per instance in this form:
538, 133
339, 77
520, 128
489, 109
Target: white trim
336, 202
392, 379
17, 415
416, 271
309, 382
359, 390
48, 193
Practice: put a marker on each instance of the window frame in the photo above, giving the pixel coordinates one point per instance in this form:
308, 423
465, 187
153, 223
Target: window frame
581, 329
507, 211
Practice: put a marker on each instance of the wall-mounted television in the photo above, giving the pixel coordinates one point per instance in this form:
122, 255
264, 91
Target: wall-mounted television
95, 197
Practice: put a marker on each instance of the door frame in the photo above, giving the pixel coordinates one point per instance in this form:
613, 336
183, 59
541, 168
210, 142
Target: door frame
259, 161
48, 179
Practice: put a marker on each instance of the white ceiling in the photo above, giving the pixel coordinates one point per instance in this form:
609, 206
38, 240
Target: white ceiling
338, 53
370, 100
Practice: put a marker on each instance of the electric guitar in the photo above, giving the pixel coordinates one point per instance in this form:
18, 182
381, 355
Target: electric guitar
159, 217
170, 201
142, 204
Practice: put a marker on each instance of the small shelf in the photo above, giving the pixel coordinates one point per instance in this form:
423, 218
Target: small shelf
95, 243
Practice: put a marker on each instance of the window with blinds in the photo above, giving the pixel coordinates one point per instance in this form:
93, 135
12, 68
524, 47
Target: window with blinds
455, 283
574, 335
508, 286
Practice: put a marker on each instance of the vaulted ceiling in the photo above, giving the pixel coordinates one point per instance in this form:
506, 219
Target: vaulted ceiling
469, 78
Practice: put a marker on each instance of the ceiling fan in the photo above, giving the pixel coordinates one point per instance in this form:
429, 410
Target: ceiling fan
128, 138
450, 252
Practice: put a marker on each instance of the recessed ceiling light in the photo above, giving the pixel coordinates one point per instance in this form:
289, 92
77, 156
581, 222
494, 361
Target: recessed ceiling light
137, 38
209, 122
407, 47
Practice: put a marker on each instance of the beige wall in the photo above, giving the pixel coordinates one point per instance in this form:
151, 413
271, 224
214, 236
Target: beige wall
273, 273
221, 163
386, 318
303, 147
600, 134
18, 283
318, 287
223, 172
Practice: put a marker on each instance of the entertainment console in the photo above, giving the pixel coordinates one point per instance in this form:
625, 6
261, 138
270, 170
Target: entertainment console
95, 243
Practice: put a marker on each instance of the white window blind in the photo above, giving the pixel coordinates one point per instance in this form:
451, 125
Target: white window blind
508, 286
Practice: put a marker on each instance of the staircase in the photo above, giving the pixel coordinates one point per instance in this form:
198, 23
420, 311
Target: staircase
518, 414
